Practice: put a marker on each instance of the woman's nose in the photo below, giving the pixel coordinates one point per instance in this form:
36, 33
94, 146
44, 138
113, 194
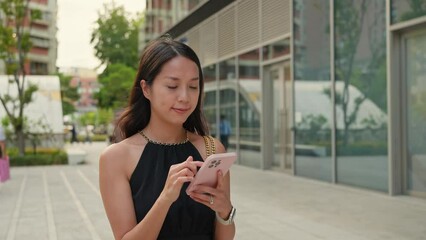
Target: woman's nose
183, 95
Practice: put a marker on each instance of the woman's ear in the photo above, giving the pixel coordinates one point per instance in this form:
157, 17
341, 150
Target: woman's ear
145, 89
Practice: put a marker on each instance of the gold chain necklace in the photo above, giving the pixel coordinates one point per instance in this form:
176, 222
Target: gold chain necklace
164, 144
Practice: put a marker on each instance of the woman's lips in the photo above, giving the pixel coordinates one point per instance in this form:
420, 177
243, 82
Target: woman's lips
181, 110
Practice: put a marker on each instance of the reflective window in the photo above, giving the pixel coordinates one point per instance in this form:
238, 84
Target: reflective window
360, 93
403, 10
249, 88
277, 49
227, 70
415, 111
311, 40
248, 65
312, 88
227, 103
209, 73
210, 87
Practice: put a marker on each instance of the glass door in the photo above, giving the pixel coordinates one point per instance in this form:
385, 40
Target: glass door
414, 110
282, 116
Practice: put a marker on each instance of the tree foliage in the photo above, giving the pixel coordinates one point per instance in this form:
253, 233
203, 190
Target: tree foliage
417, 9
15, 43
115, 37
116, 81
100, 117
69, 94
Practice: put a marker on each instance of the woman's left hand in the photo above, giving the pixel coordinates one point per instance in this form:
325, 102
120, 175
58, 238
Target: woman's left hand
217, 198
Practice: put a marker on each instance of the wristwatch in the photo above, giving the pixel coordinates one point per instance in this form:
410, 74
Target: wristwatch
230, 219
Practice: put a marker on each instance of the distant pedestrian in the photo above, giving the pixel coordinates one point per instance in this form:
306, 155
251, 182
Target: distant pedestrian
74, 134
225, 131
3, 153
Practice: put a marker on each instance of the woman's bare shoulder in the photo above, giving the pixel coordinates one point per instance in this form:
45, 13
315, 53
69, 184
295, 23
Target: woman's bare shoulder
198, 141
219, 146
123, 153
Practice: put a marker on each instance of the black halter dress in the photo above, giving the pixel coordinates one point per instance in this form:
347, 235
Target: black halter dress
186, 219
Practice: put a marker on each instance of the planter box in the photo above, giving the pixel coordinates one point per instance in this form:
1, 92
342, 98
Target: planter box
76, 156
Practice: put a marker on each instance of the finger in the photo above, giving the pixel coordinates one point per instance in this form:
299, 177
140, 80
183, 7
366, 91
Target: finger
181, 180
198, 163
204, 189
201, 198
186, 164
189, 159
219, 179
185, 172
191, 164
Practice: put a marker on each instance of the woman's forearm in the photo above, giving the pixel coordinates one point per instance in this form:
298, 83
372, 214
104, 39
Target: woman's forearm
150, 226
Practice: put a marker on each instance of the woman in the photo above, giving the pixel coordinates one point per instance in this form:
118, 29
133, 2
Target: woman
143, 177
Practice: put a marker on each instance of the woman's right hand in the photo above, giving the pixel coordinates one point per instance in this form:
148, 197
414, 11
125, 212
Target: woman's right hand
178, 175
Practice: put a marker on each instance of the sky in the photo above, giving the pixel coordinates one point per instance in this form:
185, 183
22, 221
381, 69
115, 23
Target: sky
75, 24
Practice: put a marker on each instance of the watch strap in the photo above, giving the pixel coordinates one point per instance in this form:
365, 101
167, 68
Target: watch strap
230, 219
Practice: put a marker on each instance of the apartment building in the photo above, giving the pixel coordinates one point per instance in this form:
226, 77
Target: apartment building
43, 55
328, 90
161, 15
86, 81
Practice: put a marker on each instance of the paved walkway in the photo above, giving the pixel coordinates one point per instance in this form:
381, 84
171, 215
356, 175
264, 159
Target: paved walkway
63, 202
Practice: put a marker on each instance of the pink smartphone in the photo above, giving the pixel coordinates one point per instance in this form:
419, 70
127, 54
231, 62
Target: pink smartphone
207, 174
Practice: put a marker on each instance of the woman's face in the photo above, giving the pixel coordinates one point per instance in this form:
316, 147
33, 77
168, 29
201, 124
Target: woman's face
175, 91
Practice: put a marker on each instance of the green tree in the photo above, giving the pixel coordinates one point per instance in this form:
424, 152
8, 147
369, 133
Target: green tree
348, 26
418, 9
115, 82
115, 36
69, 94
104, 116
15, 44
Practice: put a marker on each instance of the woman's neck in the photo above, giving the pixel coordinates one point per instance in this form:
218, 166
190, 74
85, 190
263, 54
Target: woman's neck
165, 134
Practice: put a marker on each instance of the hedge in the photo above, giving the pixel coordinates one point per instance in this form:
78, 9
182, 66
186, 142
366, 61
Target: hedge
43, 156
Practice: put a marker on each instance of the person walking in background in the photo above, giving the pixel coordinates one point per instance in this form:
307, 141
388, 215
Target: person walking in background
225, 131
143, 177
3, 153
74, 134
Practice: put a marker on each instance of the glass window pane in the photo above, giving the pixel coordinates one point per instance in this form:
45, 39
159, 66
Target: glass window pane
360, 93
227, 70
249, 88
248, 65
277, 49
313, 106
227, 103
210, 88
415, 73
403, 10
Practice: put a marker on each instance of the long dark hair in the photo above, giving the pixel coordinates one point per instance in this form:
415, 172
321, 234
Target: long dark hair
138, 112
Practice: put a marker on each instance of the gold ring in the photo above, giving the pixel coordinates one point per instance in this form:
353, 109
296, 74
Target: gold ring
211, 200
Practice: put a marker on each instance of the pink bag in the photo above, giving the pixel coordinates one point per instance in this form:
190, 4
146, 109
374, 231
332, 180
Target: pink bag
4, 169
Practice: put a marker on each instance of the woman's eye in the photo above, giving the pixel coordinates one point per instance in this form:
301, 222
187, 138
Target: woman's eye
172, 87
193, 87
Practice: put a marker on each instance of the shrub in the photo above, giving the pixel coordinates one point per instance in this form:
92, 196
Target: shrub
44, 156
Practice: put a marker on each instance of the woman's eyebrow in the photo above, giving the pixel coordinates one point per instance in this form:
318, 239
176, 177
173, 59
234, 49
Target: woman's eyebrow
176, 78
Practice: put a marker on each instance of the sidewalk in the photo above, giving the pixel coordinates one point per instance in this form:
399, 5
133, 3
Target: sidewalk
63, 202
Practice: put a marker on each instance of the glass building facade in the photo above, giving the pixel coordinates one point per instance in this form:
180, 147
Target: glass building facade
329, 90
